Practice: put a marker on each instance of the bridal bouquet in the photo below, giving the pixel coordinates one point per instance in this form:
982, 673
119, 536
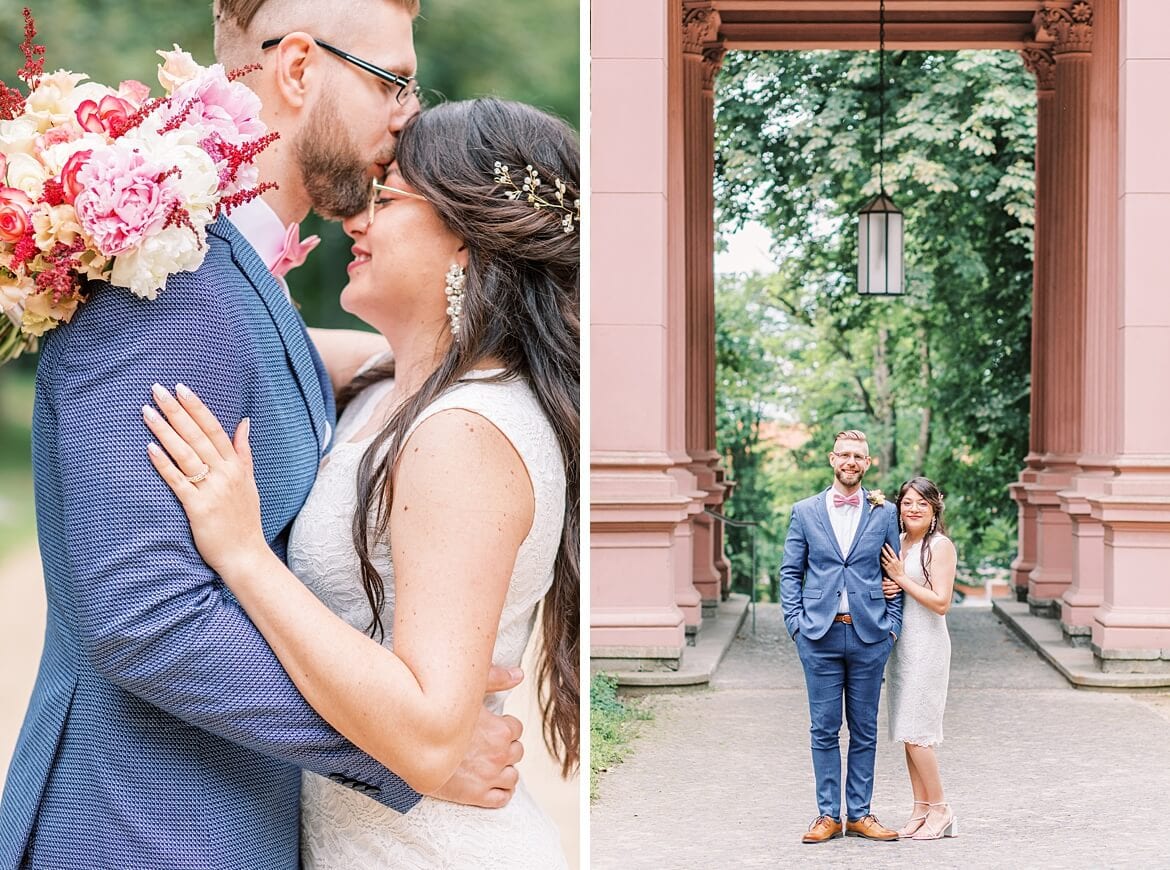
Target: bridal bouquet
102, 183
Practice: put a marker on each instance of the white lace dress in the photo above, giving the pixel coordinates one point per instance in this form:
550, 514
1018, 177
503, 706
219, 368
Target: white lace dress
344, 830
919, 668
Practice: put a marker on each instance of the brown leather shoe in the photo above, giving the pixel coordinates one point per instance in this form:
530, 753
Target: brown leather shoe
870, 828
822, 829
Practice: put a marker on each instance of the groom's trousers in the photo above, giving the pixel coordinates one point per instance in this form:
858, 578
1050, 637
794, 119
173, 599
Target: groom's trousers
839, 666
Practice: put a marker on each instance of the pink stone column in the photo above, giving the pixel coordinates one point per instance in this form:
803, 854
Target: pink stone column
1063, 333
1131, 628
702, 57
642, 496
1038, 59
1099, 412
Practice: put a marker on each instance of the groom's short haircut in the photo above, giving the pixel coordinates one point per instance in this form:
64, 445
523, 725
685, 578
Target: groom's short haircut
851, 435
241, 12
236, 45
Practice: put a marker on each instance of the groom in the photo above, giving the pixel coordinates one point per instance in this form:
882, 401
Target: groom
844, 629
162, 732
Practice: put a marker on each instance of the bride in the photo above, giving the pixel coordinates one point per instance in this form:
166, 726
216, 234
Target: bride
447, 509
919, 666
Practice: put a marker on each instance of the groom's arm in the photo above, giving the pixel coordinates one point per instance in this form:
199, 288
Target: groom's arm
894, 540
792, 572
151, 617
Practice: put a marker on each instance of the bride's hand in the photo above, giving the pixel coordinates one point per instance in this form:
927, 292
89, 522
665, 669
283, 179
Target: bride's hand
210, 475
895, 578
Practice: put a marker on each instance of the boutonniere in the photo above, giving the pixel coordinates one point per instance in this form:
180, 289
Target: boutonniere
876, 497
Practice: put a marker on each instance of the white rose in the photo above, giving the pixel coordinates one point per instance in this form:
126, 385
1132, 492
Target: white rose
18, 136
145, 270
27, 173
177, 69
51, 104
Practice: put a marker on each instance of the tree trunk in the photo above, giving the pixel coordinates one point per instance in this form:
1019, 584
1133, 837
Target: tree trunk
924, 428
884, 404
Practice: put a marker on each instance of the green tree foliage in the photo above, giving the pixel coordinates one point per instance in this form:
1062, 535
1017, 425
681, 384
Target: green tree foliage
939, 378
526, 50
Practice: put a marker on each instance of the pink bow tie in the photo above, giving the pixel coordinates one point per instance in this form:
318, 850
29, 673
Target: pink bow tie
295, 251
842, 500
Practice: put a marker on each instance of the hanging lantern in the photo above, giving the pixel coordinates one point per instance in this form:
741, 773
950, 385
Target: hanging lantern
879, 248
879, 231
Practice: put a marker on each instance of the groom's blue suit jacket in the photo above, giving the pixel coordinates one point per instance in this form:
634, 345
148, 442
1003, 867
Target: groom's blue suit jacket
815, 571
162, 731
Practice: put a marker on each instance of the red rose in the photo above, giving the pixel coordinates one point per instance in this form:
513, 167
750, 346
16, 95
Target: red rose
69, 182
15, 219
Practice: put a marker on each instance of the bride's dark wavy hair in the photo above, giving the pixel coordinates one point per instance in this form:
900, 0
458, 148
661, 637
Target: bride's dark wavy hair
520, 305
934, 497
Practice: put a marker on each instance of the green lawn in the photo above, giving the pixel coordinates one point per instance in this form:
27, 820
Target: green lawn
17, 521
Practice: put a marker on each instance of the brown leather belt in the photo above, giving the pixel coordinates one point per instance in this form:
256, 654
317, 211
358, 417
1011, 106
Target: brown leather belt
843, 617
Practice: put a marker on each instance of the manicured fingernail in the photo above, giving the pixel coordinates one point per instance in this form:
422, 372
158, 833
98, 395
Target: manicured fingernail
183, 392
150, 413
160, 392
154, 449
247, 424
516, 673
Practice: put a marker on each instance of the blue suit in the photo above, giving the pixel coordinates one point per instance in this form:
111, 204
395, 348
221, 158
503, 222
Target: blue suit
839, 659
162, 732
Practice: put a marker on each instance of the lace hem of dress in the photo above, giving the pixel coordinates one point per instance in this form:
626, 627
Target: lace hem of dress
919, 741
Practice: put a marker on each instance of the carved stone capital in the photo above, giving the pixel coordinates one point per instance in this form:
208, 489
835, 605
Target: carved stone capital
1040, 63
700, 25
1071, 29
712, 62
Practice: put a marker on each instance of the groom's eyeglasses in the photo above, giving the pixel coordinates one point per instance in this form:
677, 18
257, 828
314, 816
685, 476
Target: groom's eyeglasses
407, 85
856, 457
377, 188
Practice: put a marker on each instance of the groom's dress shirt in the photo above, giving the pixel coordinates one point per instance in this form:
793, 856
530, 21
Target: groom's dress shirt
262, 229
844, 520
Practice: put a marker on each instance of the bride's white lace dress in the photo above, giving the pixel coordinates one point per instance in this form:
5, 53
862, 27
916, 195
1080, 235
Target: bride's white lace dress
343, 829
919, 667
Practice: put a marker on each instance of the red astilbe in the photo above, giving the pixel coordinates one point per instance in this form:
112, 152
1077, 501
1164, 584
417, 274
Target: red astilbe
225, 205
61, 278
53, 192
234, 157
178, 118
11, 103
119, 128
34, 55
241, 71
24, 251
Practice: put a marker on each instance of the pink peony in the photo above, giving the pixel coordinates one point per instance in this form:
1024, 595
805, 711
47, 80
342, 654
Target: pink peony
3, 167
104, 117
125, 199
15, 214
215, 106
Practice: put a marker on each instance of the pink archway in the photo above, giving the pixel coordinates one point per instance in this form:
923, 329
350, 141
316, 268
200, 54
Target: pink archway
1094, 492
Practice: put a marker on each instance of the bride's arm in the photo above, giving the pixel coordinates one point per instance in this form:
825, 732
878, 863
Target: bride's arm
463, 503
943, 562
344, 351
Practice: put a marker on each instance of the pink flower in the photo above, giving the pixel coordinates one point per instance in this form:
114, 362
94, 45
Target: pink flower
134, 91
69, 183
216, 106
15, 214
104, 117
3, 166
125, 198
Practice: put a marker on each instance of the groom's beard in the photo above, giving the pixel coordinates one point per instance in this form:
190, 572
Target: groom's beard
848, 478
335, 174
